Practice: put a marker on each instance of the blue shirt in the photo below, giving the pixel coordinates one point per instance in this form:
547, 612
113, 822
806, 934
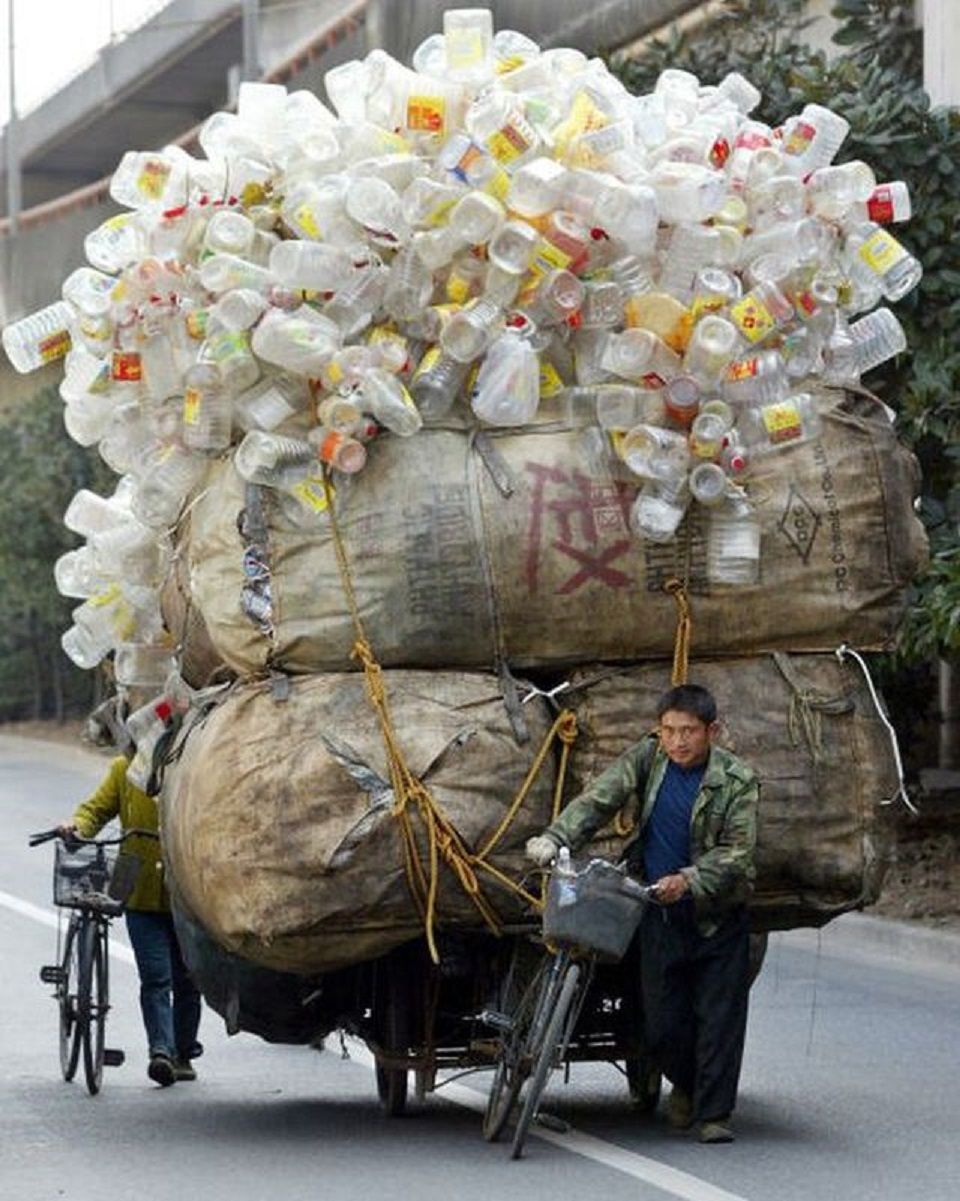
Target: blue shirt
666, 839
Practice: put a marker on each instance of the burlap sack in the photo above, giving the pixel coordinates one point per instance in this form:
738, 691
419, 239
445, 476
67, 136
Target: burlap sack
808, 726
522, 548
277, 820
200, 662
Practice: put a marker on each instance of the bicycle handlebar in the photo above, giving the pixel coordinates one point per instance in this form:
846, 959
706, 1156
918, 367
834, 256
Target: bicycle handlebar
35, 840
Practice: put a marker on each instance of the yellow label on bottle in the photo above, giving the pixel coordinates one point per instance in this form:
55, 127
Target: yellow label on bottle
108, 596
312, 494
507, 144
752, 317
226, 345
510, 63
782, 421
55, 346
196, 323
457, 288
152, 180
706, 304
584, 115
426, 113
881, 251
742, 369
192, 399
497, 184
549, 257
550, 381
430, 358
306, 219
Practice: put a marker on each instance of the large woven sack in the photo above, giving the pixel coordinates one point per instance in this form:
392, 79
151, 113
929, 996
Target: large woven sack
520, 549
278, 828
809, 727
199, 661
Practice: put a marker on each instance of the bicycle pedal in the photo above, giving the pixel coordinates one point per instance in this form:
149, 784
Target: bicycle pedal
51, 973
113, 1057
549, 1122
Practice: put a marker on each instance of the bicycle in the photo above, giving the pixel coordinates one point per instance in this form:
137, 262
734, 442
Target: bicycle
590, 915
95, 884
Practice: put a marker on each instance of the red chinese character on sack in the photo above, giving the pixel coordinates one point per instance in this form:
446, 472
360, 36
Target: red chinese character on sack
582, 513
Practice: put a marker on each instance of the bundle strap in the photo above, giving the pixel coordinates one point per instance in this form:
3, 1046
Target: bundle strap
681, 641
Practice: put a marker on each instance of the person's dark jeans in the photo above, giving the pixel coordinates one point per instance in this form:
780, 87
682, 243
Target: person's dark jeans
169, 999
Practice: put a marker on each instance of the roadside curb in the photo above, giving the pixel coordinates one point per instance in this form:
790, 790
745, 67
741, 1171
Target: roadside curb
900, 943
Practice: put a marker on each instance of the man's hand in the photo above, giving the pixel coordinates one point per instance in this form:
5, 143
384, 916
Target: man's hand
542, 849
671, 888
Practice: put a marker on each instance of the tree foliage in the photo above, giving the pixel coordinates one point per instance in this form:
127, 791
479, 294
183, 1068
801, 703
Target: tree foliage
41, 469
875, 81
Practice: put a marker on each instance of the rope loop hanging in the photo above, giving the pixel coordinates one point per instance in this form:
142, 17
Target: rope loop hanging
681, 641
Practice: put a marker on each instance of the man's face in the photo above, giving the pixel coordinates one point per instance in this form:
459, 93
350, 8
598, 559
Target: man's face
685, 738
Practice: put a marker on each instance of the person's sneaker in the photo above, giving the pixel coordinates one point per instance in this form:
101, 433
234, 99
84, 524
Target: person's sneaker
716, 1132
160, 1069
183, 1069
680, 1109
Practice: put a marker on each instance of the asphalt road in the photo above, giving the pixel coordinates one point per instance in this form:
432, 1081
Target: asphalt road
850, 1089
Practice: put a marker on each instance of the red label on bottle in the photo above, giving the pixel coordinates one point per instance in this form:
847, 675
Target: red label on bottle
126, 366
719, 152
799, 138
751, 139
880, 205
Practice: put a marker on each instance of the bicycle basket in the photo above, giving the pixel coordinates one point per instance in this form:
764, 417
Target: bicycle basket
84, 873
595, 909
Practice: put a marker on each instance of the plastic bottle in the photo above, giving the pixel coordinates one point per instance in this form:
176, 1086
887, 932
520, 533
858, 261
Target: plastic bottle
468, 44
239, 309
311, 265
385, 398
146, 179
497, 122
874, 256
707, 433
207, 412
142, 665
812, 139
471, 330
887, 204
409, 286
761, 312
557, 298
265, 458
832, 192
709, 484
620, 407
513, 246
687, 192
145, 726
437, 382
507, 391
862, 345
230, 351
640, 355
660, 507
662, 314
115, 244
690, 249
338, 450
271, 402
353, 306
89, 291
170, 475
602, 304
88, 514
75, 573
300, 342
41, 338
779, 424
224, 272
645, 447
565, 877
713, 345
756, 378
374, 205
537, 187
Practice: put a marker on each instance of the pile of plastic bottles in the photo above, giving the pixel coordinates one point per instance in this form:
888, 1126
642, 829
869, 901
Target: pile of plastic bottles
494, 228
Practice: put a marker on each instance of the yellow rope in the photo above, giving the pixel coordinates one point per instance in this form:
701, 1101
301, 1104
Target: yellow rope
412, 796
681, 644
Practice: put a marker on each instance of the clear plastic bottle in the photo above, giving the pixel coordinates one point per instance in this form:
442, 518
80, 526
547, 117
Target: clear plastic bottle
311, 265
300, 342
557, 298
862, 345
537, 187
812, 139
115, 244
833, 191
887, 204
687, 192
475, 218
660, 507
709, 484
779, 424
602, 304
513, 246
468, 44
712, 346
266, 458
228, 232
471, 330
239, 309
169, 477
757, 378
761, 312
230, 350
271, 402
497, 122
385, 398
354, 305
507, 390
75, 573
874, 256
224, 272
409, 286
89, 291
146, 728
374, 205
644, 447
733, 542
41, 338
207, 411
437, 382
640, 355
142, 665
147, 179
620, 407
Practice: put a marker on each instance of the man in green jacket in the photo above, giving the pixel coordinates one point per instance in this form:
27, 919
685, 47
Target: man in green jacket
169, 1000
695, 807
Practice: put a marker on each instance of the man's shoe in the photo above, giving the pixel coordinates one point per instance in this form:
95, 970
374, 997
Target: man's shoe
183, 1069
160, 1069
680, 1109
716, 1132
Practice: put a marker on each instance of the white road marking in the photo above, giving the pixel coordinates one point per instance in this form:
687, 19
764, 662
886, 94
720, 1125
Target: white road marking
671, 1180
46, 918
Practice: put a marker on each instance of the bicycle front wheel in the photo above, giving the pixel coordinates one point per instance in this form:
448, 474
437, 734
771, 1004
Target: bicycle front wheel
94, 1001
513, 1057
67, 986
556, 1029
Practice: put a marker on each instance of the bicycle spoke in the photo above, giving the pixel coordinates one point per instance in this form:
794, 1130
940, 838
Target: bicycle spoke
66, 996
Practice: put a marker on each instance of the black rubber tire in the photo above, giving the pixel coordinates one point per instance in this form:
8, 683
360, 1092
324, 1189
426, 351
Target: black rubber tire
545, 1057
93, 970
514, 1059
70, 1034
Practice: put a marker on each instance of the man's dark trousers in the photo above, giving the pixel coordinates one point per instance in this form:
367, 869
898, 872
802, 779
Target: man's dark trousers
695, 992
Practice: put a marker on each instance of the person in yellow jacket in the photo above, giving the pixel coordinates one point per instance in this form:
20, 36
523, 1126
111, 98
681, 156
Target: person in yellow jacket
169, 999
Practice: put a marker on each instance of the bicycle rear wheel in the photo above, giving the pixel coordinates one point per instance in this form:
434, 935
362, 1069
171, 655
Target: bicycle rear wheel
66, 995
556, 1029
94, 1001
